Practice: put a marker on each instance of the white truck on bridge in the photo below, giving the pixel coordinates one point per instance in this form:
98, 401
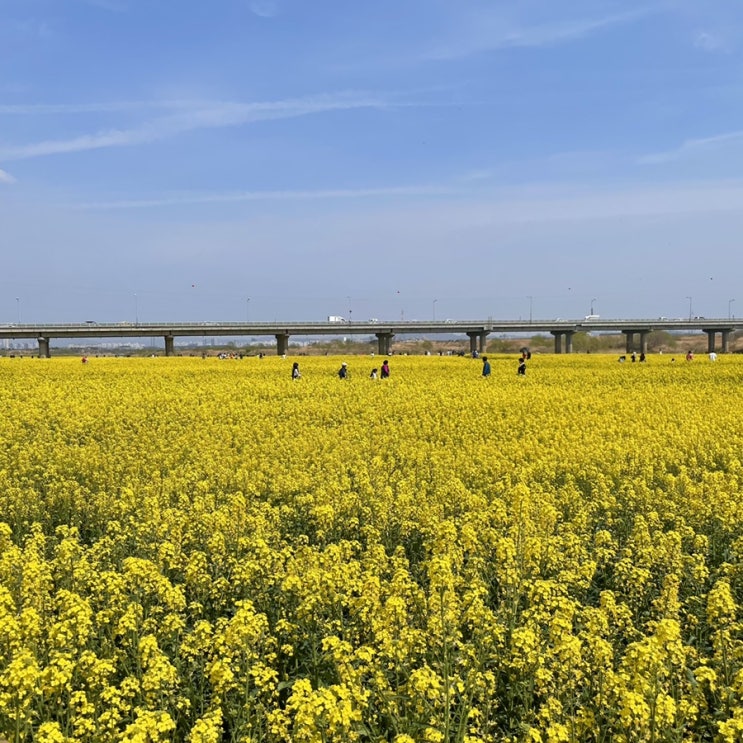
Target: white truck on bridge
336, 318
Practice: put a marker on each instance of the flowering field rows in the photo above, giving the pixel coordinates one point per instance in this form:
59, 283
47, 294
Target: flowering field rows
203, 550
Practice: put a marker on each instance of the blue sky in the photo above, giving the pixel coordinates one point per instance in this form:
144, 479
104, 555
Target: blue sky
174, 160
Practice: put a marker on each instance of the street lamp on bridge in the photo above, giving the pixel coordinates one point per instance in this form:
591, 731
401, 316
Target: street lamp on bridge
690, 313
434, 309
531, 301
592, 301
18, 308
730, 313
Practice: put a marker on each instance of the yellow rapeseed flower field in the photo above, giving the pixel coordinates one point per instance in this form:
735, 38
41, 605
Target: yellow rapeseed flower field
205, 550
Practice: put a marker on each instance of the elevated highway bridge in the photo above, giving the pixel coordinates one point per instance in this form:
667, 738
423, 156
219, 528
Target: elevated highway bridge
636, 331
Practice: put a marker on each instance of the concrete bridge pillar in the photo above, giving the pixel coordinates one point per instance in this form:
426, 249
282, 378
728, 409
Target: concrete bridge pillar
725, 340
282, 343
384, 343
710, 340
629, 345
44, 348
644, 341
568, 340
169, 345
482, 341
473, 341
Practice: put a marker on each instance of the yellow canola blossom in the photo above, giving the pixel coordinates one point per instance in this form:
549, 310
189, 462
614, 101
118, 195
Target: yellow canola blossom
203, 550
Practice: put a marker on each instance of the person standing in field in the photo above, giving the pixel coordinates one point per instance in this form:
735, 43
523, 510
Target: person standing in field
373, 374
295, 371
385, 369
485, 367
343, 371
521, 371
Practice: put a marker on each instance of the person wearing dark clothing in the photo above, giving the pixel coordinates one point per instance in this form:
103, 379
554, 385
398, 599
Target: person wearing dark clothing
485, 366
522, 367
295, 371
343, 371
385, 369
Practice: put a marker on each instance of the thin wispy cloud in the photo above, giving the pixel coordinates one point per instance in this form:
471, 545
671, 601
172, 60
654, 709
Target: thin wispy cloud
41, 109
204, 117
529, 204
472, 176
288, 195
492, 34
264, 8
692, 147
592, 204
28, 29
540, 203
6, 177
104, 107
